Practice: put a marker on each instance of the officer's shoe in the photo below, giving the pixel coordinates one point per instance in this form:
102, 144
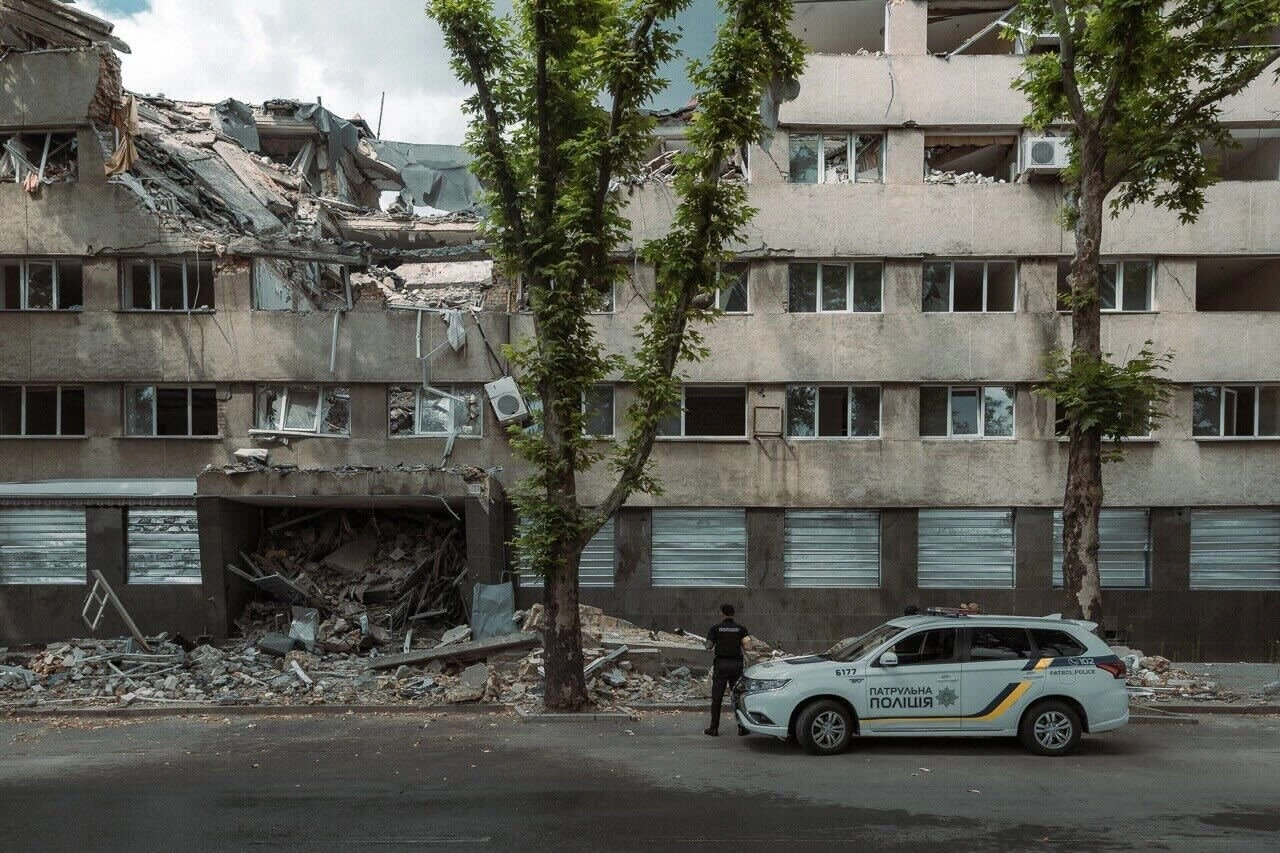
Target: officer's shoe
743, 731
712, 732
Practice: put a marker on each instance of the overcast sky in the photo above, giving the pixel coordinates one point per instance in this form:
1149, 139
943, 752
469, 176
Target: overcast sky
346, 52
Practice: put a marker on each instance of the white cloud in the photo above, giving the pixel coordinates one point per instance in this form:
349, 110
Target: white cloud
346, 52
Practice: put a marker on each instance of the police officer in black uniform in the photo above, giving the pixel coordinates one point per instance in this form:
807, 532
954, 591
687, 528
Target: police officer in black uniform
726, 638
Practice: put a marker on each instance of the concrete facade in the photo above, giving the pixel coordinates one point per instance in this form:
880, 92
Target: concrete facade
898, 91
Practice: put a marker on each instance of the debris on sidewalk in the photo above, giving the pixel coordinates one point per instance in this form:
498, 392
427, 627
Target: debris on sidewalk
1154, 677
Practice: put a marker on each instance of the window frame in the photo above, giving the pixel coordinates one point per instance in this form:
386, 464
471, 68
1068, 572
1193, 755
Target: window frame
153, 264
1119, 292
256, 282
22, 413
848, 413
852, 147
155, 402
321, 388
728, 270
986, 277
683, 411
1223, 390
47, 150
24, 283
980, 435
850, 277
451, 389
613, 412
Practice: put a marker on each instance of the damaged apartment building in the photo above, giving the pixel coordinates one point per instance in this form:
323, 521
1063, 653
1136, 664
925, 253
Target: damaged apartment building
220, 318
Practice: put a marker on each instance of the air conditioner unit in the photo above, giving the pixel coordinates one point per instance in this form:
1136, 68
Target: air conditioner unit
1044, 154
508, 404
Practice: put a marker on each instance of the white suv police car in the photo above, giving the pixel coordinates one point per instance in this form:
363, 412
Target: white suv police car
1046, 680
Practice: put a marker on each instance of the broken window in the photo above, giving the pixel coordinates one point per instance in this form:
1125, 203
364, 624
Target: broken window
1235, 411
732, 297
160, 411
38, 158
833, 411
597, 405
1238, 284
823, 158
982, 411
166, 285
834, 287
605, 298
306, 409
1254, 155
709, 410
969, 159
974, 32
41, 285
1122, 285
41, 410
280, 285
968, 286
436, 412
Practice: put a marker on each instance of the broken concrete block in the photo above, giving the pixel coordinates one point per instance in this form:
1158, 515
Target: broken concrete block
464, 694
455, 635
352, 557
278, 645
614, 678
252, 456
403, 672
1272, 689
476, 675
205, 657
16, 675
681, 672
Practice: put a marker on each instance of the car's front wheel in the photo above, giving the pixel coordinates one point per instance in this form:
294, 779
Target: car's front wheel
825, 728
1050, 728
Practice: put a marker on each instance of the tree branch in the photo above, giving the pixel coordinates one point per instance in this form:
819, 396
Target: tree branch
1067, 60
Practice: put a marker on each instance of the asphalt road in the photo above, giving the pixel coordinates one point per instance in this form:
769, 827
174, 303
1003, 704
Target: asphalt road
493, 783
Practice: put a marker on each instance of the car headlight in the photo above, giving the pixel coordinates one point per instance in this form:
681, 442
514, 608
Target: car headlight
761, 685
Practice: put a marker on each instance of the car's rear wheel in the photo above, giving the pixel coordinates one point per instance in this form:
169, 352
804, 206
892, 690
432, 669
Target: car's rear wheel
1050, 728
825, 728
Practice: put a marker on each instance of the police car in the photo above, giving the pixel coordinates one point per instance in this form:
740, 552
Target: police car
1045, 680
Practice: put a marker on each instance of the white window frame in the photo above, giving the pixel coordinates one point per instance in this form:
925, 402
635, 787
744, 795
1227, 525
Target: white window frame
746, 413
1119, 263
746, 286
255, 283
24, 283
454, 394
613, 412
284, 410
849, 276
851, 147
155, 401
126, 285
951, 284
1223, 391
22, 413
848, 414
980, 435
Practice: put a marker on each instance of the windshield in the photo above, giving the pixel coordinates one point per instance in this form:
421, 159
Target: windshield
853, 648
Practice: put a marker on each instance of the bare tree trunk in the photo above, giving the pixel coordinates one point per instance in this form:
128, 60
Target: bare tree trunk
1082, 502
566, 689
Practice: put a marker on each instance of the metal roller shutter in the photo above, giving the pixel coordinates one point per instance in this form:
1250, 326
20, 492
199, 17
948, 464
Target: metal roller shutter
42, 546
163, 546
1124, 548
595, 568
831, 548
966, 548
699, 547
1235, 549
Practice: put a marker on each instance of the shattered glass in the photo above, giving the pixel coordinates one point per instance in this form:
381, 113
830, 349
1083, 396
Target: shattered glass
301, 408
804, 158
39, 285
139, 410
401, 409
267, 408
869, 166
835, 159
335, 412
936, 290
733, 299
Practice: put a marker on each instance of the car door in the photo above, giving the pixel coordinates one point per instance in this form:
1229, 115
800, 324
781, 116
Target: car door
922, 691
1001, 675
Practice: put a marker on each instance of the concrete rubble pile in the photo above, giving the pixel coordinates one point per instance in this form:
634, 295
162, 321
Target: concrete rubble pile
383, 567
628, 666
943, 177
1154, 677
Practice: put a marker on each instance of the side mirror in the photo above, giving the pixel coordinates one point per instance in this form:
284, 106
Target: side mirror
888, 659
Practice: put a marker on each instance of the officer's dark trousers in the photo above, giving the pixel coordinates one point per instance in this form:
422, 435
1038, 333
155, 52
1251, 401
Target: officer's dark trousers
724, 674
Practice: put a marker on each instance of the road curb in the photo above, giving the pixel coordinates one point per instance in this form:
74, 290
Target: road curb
551, 717
1244, 710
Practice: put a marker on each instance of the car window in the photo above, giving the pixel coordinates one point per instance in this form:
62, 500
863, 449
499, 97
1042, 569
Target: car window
853, 648
937, 646
999, 644
1057, 644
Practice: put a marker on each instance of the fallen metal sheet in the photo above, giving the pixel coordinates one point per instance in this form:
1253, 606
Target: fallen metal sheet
599, 664
458, 652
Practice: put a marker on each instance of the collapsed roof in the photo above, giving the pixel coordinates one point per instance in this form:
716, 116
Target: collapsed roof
27, 25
